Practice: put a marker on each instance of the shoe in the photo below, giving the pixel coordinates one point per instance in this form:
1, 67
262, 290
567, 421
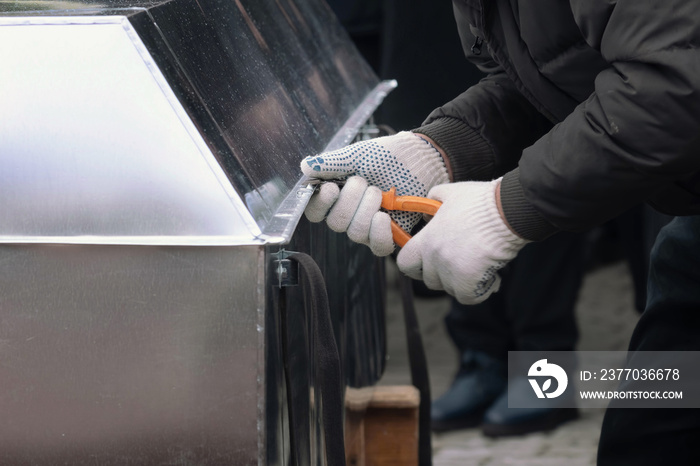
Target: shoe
502, 421
480, 381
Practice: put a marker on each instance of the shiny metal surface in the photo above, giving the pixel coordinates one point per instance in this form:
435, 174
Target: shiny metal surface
150, 170
118, 355
97, 149
228, 95
170, 355
269, 81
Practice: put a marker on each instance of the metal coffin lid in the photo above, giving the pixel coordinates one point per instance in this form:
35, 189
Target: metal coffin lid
172, 122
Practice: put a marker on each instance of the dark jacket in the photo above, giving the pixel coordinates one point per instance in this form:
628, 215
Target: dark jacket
597, 102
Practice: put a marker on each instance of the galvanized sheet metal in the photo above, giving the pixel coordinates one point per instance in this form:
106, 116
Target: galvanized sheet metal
184, 121
96, 148
118, 355
135, 132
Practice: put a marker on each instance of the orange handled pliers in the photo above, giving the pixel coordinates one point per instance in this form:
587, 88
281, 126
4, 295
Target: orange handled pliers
390, 201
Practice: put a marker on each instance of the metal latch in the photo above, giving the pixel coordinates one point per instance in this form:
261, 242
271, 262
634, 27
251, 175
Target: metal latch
287, 270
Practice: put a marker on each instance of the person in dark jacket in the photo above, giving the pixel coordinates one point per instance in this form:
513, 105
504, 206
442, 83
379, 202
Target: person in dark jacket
532, 311
588, 108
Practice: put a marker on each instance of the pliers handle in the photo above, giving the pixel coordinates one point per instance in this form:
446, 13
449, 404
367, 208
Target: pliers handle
390, 201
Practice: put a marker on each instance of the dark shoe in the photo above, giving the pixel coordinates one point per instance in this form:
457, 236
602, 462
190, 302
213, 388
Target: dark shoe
480, 381
502, 421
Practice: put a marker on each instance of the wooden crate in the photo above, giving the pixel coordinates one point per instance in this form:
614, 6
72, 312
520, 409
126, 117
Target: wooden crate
381, 426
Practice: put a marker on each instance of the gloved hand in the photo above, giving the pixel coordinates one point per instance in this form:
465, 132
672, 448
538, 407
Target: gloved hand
404, 161
464, 246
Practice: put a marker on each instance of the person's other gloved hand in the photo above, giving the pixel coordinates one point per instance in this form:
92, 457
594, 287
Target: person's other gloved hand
404, 161
464, 246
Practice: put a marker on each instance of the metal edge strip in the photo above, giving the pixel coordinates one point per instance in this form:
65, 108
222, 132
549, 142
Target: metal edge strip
59, 20
281, 226
262, 356
136, 240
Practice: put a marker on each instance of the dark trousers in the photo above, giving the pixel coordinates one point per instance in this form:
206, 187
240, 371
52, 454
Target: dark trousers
671, 322
534, 309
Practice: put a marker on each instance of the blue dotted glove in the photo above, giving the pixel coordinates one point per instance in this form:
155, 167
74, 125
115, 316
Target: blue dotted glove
404, 161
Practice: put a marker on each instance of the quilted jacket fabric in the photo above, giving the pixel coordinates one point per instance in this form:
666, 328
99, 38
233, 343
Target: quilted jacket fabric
589, 107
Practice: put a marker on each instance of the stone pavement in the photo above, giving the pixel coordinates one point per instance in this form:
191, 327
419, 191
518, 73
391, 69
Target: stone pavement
606, 318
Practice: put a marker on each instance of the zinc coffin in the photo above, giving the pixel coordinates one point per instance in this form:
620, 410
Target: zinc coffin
149, 176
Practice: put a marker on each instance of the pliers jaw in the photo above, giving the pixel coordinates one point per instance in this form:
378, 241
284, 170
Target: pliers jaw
392, 202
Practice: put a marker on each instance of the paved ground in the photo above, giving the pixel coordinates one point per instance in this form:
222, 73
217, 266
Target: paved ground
606, 319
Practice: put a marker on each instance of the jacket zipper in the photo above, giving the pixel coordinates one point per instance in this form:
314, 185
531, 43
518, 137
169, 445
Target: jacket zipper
476, 48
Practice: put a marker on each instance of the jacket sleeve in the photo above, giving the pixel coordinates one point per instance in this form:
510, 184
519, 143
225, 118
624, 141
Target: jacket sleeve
636, 134
485, 129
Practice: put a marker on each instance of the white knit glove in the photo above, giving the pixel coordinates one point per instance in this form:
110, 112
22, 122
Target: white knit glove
464, 246
404, 161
